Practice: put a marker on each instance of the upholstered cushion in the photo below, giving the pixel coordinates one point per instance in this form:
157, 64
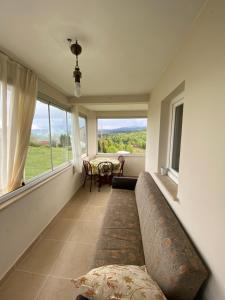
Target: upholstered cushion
118, 282
169, 255
120, 239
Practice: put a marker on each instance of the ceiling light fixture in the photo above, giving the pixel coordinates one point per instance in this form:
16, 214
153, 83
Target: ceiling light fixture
76, 50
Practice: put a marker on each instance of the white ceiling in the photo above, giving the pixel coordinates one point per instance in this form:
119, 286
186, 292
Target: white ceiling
117, 107
126, 43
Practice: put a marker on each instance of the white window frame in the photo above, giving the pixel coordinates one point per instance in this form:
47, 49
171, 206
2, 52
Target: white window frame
173, 174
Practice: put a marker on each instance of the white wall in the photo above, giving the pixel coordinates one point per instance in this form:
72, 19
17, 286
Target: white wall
92, 134
134, 165
201, 206
22, 221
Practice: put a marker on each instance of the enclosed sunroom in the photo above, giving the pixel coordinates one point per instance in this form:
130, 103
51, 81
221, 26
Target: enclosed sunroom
112, 149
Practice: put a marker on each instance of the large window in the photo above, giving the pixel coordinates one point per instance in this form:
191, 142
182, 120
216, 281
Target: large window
175, 139
50, 141
122, 135
83, 134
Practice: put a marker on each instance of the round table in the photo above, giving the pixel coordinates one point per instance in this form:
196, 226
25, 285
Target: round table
94, 164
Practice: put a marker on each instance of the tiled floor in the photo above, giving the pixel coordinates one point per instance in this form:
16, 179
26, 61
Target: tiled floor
64, 251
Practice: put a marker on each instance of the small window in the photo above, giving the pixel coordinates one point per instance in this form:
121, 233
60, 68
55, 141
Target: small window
175, 142
83, 134
122, 136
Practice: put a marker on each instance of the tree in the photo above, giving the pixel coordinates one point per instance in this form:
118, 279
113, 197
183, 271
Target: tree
64, 140
134, 142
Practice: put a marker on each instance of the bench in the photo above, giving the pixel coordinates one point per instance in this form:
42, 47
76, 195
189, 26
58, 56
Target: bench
139, 228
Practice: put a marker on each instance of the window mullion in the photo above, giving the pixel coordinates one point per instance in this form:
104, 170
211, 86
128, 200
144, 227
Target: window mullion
50, 135
67, 140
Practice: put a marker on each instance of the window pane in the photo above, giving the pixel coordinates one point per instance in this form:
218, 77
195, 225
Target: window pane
58, 136
177, 137
39, 152
83, 134
122, 135
69, 122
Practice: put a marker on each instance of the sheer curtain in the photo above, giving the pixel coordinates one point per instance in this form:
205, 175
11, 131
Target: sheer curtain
18, 89
76, 139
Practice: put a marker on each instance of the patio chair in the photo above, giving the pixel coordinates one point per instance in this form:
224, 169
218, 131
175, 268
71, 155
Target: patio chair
119, 172
88, 172
105, 173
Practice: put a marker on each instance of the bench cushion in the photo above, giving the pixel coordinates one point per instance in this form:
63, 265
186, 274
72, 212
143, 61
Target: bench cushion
169, 255
120, 238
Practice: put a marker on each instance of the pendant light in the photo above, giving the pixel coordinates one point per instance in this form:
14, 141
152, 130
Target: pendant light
76, 50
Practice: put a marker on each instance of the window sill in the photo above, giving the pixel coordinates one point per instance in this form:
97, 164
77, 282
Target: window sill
167, 186
31, 185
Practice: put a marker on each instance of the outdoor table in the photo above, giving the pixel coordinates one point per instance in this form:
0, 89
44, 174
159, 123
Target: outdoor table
94, 164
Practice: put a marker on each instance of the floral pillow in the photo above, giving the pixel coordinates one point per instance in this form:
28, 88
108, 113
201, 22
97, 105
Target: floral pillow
118, 282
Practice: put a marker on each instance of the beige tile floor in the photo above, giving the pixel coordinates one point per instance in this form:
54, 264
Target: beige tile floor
64, 251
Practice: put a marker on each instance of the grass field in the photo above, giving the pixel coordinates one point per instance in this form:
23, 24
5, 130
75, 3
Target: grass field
39, 159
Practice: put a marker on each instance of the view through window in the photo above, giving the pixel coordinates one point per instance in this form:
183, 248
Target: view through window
177, 130
175, 139
83, 134
50, 141
59, 136
122, 135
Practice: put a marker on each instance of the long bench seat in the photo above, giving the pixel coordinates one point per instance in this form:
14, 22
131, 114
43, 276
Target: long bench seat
140, 228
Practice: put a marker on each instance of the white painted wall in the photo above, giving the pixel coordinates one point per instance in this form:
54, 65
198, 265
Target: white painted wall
92, 134
22, 221
201, 63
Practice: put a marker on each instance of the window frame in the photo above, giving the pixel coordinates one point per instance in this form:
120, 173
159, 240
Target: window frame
80, 115
60, 167
116, 154
173, 174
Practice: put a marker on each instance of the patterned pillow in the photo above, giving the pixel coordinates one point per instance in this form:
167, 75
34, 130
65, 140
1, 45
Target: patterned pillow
117, 282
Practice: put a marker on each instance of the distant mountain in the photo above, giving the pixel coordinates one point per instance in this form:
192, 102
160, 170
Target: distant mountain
122, 130
40, 133
43, 134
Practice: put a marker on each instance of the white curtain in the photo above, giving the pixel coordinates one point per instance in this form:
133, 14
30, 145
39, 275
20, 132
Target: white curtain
18, 90
76, 139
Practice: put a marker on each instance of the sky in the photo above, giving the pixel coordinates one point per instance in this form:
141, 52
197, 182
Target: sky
120, 123
58, 119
